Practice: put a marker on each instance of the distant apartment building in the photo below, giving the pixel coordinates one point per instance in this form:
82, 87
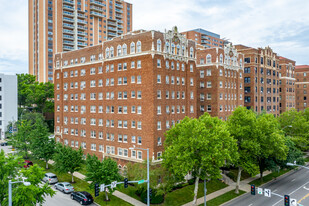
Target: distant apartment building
220, 81
261, 79
287, 84
67, 25
125, 92
8, 102
302, 86
205, 38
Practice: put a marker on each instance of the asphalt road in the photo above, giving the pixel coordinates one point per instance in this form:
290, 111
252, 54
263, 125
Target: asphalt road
61, 199
295, 184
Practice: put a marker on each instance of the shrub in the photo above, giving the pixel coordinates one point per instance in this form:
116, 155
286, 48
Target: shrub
155, 198
191, 181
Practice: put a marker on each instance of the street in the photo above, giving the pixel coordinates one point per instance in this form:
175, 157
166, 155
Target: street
61, 199
295, 184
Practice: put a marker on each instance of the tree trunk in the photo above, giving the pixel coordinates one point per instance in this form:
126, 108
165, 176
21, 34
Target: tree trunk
238, 180
261, 175
196, 187
106, 195
261, 165
46, 164
72, 177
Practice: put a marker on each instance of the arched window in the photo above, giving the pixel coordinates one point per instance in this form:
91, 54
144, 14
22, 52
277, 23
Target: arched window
138, 47
240, 62
118, 50
178, 49
119, 167
112, 51
183, 51
221, 59
158, 45
208, 59
167, 47
173, 48
191, 52
132, 48
124, 49
107, 53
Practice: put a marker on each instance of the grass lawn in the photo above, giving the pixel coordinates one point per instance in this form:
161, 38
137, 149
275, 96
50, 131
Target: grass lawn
83, 169
269, 177
81, 185
183, 195
223, 198
234, 172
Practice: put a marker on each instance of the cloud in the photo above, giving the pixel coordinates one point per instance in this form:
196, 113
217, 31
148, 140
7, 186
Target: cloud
281, 24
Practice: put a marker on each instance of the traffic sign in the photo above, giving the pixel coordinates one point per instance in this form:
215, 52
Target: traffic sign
102, 188
113, 184
293, 202
141, 181
260, 191
267, 192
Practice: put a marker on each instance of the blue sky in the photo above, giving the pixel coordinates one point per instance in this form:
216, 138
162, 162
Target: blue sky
281, 24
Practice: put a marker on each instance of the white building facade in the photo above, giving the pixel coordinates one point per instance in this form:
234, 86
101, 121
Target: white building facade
8, 102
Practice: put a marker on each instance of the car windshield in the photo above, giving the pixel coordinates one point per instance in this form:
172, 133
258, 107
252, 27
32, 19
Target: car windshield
87, 194
53, 176
68, 185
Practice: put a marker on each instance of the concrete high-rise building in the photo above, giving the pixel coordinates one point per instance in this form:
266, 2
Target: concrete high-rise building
67, 25
302, 87
8, 102
205, 38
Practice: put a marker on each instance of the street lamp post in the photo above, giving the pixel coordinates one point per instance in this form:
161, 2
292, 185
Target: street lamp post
292, 164
10, 188
148, 181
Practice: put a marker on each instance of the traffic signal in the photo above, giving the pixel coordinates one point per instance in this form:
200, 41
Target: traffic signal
286, 200
125, 182
96, 190
150, 192
252, 189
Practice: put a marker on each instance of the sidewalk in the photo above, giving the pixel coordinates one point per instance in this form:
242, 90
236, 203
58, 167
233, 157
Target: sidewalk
118, 194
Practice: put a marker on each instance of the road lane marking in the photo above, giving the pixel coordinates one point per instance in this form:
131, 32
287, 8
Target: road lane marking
274, 190
306, 188
299, 188
293, 180
250, 204
307, 195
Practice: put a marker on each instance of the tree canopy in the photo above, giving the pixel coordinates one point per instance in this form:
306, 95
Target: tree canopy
200, 146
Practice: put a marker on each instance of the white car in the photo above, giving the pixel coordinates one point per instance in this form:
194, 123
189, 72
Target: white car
50, 178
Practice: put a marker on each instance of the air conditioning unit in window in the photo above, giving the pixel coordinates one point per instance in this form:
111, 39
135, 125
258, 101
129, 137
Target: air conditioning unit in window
159, 143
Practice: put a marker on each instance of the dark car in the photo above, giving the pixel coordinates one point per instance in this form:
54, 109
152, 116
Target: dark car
4, 144
27, 164
84, 198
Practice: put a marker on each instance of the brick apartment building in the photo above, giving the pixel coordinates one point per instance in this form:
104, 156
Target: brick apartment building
205, 38
302, 86
267, 83
287, 84
66, 25
125, 92
219, 81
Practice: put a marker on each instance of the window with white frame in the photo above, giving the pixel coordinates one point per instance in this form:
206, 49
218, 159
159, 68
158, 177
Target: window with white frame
158, 125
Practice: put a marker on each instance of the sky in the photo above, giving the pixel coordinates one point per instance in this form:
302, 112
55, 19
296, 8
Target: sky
281, 24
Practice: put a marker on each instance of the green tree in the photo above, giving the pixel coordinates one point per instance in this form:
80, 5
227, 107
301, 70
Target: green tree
41, 94
295, 125
200, 146
270, 140
22, 138
24, 80
241, 125
41, 146
306, 114
102, 172
68, 159
22, 195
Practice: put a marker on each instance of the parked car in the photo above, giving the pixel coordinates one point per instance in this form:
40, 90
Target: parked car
65, 187
4, 144
50, 178
84, 198
27, 163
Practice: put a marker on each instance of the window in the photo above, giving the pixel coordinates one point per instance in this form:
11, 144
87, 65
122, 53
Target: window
209, 84
247, 79
247, 70
247, 60
208, 59
159, 45
138, 47
132, 48
159, 63
158, 125
158, 78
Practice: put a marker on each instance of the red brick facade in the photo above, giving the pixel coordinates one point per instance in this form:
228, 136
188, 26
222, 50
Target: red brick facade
302, 86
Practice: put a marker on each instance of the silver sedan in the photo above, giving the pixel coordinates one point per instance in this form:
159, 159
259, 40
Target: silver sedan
65, 187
